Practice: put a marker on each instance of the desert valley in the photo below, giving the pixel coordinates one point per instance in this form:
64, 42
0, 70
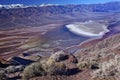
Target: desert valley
60, 42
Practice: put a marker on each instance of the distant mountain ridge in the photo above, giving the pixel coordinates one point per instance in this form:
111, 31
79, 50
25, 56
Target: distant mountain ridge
19, 15
103, 7
12, 6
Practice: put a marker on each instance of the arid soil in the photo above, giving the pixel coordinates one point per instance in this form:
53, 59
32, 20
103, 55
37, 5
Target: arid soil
33, 39
15, 41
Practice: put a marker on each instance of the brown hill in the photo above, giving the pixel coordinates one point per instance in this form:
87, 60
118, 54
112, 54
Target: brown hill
106, 53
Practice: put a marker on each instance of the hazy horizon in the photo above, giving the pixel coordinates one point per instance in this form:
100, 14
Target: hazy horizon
38, 2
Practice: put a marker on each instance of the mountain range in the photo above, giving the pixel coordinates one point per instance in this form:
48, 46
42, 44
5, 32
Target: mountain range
111, 6
18, 15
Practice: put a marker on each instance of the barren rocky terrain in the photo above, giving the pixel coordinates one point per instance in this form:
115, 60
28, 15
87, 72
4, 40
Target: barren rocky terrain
36, 45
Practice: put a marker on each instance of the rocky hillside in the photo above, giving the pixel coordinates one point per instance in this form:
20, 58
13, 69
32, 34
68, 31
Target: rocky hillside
108, 43
99, 61
105, 54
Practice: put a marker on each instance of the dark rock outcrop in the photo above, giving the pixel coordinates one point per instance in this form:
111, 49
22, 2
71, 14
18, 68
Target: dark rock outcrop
59, 56
72, 58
